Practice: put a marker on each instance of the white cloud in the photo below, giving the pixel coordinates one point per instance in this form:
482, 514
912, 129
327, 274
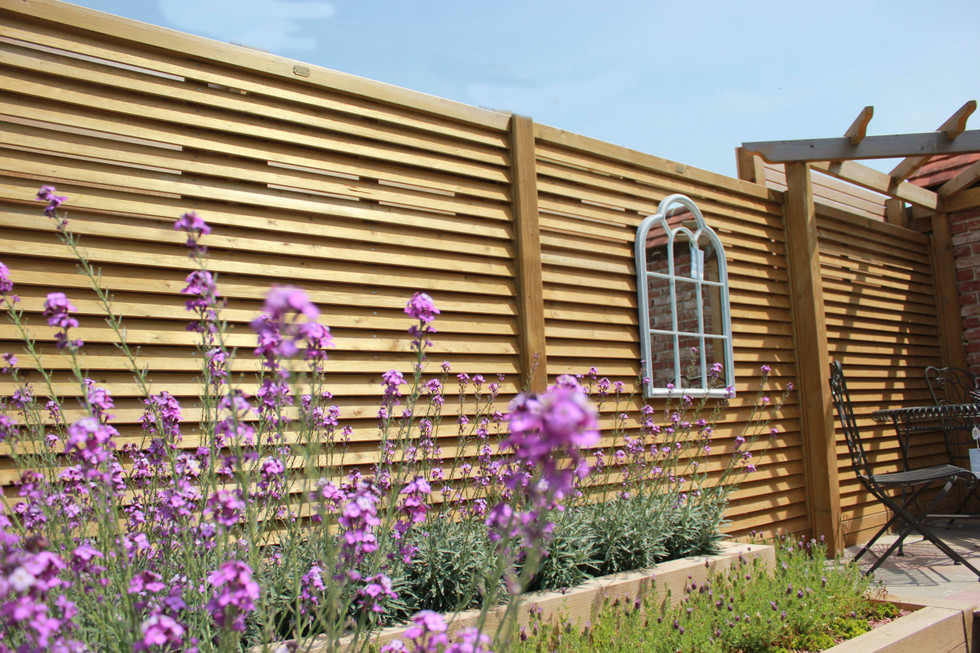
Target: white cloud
274, 25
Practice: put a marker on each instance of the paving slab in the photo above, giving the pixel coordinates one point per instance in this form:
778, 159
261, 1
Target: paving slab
923, 570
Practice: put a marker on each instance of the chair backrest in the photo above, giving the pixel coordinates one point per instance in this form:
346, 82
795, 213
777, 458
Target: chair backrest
953, 385
845, 413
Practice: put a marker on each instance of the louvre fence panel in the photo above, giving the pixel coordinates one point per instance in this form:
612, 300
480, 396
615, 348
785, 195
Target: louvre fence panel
362, 193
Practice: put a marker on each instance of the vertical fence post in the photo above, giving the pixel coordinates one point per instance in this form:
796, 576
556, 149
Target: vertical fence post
812, 357
530, 287
947, 291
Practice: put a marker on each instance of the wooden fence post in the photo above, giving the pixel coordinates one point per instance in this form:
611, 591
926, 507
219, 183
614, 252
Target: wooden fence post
947, 291
812, 358
530, 287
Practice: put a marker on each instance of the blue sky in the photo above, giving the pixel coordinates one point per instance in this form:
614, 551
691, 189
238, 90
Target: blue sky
688, 81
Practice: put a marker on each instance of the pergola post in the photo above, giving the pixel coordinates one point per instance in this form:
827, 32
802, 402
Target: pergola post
813, 360
947, 292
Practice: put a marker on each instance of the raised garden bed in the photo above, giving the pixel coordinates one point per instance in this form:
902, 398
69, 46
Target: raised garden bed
934, 626
582, 603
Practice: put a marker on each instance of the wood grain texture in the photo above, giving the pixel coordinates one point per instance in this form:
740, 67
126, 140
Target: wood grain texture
533, 351
813, 359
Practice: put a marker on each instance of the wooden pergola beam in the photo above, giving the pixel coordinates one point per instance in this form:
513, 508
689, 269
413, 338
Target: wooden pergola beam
749, 166
963, 180
872, 147
953, 127
862, 175
859, 128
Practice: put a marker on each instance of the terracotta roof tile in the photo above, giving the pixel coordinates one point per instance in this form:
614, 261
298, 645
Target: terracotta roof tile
942, 168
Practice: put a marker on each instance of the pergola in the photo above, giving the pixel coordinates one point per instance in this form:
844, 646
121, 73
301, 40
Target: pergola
837, 157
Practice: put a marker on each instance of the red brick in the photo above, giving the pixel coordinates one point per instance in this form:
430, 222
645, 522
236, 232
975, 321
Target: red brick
969, 261
969, 286
969, 310
964, 226
964, 274
966, 213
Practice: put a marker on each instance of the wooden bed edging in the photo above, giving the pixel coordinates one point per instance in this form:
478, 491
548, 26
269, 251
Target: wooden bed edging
582, 603
936, 626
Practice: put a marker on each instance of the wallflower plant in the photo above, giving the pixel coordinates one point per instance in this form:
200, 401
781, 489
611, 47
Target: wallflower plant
258, 528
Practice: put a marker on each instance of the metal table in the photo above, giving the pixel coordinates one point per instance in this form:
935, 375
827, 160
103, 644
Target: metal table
916, 419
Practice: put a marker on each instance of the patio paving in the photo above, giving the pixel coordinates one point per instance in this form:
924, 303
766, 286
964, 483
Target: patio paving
924, 571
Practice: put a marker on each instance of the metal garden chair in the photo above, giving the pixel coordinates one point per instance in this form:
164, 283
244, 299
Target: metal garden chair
911, 483
951, 386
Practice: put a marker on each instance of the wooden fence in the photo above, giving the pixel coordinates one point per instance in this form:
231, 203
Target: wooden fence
363, 193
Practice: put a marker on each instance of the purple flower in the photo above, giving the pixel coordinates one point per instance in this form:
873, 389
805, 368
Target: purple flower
21, 397
420, 307
195, 227
358, 518
278, 330
90, 441
225, 507
234, 595
283, 301
427, 632
8, 428
560, 421
99, 400
376, 589
317, 338
469, 640
9, 362
56, 309
312, 588
216, 358
391, 380
191, 222
146, 581
202, 290
162, 415
6, 285
162, 631
46, 194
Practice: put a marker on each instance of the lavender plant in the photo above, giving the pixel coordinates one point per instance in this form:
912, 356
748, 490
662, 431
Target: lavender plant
256, 530
805, 604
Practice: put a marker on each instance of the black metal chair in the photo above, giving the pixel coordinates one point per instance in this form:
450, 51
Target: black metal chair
911, 483
949, 386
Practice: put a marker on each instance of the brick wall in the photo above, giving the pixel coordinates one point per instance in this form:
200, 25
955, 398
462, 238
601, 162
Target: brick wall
965, 229
661, 346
